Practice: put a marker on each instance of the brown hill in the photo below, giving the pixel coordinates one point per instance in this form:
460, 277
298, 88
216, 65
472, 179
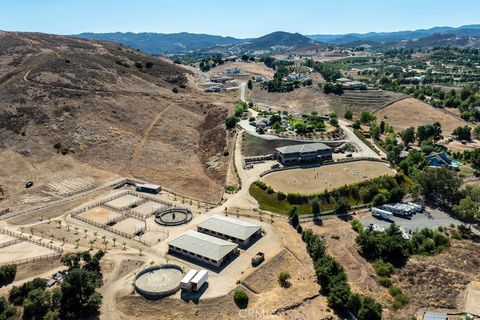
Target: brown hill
109, 107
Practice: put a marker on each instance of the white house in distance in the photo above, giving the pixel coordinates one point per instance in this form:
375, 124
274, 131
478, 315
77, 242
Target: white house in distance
238, 231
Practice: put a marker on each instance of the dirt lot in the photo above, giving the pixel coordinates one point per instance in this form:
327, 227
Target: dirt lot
146, 209
22, 250
411, 112
302, 100
255, 68
100, 215
128, 225
316, 180
124, 201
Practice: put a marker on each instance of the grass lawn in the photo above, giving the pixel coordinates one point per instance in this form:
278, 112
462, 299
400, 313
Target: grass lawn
269, 202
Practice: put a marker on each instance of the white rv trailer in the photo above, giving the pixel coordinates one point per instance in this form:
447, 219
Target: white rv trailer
199, 280
380, 213
397, 209
416, 206
186, 282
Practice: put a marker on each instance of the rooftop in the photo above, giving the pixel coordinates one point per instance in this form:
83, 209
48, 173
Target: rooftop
435, 316
303, 148
203, 245
231, 227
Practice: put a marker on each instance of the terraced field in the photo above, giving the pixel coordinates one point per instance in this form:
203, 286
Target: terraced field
359, 101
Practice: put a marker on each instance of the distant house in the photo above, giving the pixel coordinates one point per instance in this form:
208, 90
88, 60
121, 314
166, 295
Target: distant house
262, 123
435, 316
350, 84
304, 153
442, 159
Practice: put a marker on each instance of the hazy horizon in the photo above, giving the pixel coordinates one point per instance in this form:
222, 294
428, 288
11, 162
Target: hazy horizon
242, 20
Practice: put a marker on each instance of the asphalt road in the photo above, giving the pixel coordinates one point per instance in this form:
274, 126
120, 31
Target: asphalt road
429, 218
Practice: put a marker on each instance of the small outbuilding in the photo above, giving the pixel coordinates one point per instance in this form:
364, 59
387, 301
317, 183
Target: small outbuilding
435, 316
148, 188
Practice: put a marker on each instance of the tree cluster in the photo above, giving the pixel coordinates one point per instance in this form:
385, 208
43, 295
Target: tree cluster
334, 283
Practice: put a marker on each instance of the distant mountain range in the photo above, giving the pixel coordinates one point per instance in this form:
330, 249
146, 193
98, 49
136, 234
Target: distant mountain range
160, 43
465, 31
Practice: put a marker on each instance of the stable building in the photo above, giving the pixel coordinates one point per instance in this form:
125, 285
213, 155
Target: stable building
203, 247
238, 231
304, 153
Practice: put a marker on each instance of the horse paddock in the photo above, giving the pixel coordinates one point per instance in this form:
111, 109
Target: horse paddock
327, 177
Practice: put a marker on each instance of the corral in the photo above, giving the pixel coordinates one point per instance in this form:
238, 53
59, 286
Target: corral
399, 115
100, 215
319, 179
158, 281
173, 216
124, 201
22, 250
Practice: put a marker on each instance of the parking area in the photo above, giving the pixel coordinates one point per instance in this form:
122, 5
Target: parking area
429, 218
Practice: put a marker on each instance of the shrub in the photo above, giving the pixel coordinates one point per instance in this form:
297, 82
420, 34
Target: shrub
283, 279
357, 225
383, 269
7, 274
385, 282
240, 298
175, 90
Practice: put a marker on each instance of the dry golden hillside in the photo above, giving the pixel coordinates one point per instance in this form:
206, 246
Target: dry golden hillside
112, 109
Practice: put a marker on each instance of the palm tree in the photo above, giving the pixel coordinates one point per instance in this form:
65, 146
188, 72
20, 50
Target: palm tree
86, 232
226, 211
31, 231
42, 233
76, 242
123, 244
91, 244
140, 250
76, 230
59, 223
114, 240
63, 241
68, 228
1, 190
21, 229
52, 236
105, 242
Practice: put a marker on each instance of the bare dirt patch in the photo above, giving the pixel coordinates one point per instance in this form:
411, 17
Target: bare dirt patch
316, 180
22, 250
413, 113
255, 68
301, 100
128, 225
100, 215
124, 201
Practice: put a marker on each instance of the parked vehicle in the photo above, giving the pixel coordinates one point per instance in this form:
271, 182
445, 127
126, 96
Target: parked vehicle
199, 279
29, 184
381, 214
186, 283
258, 259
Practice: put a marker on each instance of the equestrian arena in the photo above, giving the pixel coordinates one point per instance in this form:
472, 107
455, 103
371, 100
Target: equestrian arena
328, 177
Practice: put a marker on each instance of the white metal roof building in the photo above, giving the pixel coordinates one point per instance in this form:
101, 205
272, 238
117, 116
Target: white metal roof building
236, 230
203, 247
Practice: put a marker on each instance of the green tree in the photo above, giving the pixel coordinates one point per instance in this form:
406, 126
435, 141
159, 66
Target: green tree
315, 208
408, 136
231, 121
439, 184
36, 304
240, 298
348, 114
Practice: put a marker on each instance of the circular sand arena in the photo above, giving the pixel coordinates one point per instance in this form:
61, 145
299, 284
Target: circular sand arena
326, 177
158, 281
173, 216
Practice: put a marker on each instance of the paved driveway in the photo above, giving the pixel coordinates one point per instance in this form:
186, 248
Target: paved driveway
429, 218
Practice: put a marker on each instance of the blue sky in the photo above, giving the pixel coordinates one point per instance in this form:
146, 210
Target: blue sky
240, 18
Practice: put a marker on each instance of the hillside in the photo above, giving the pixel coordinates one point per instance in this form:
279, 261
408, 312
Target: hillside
160, 43
277, 41
111, 110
